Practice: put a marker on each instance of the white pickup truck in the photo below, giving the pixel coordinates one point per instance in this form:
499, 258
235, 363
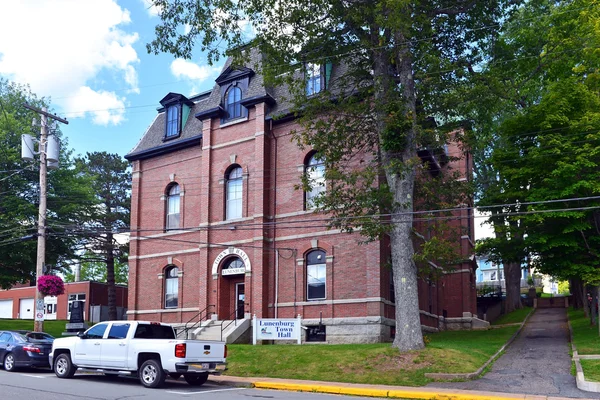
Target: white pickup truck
149, 350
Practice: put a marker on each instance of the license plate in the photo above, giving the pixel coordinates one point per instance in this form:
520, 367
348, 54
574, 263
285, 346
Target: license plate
203, 365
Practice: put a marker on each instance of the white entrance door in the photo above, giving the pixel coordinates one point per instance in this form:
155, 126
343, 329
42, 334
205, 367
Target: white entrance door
50, 307
6, 308
26, 308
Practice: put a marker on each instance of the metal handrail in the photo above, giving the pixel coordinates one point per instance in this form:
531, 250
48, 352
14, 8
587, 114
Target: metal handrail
230, 322
187, 328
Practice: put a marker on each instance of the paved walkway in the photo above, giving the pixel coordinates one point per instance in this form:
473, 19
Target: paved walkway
537, 362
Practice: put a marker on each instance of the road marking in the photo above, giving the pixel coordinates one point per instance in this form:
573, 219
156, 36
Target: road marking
204, 391
34, 376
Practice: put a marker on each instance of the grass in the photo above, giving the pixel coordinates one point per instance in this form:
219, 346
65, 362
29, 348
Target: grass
591, 370
516, 316
449, 352
585, 336
55, 328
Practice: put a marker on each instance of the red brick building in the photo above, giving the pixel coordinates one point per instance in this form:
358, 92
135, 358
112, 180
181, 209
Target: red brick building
218, 225
19, 302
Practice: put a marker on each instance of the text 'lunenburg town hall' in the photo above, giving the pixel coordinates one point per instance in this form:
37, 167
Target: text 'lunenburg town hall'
220, 231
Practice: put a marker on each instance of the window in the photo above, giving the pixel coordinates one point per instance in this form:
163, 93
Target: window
5, 337
145, 331
96, 332
172, 121
118, 331
315, 171
313, 79
171, 287
315, 275
233, 103
233, 206
173, 206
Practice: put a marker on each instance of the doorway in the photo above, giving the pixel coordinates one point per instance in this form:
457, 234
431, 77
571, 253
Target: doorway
240, 298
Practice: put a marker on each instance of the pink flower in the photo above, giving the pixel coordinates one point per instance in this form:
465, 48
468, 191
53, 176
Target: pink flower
51, 285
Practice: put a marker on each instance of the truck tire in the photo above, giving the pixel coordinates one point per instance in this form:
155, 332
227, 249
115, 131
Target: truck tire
196, 379
151, 374
63, 366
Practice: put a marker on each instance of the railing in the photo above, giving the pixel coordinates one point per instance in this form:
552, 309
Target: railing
198, 316
233, 321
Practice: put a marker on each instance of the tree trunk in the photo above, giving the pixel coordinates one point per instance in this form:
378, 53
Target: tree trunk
575, 289
110, 277
594, 305
584, 297
512, 276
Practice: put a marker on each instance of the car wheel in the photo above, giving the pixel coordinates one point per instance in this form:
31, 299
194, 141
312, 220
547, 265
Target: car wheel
196, 379
9, 362
151, 374
63, 366
175, 376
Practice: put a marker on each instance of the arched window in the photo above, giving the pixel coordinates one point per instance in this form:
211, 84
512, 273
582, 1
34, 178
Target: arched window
316, 275
234, 105
233, 205
233, 263
315, 172
173, 206
172, 121
171, 287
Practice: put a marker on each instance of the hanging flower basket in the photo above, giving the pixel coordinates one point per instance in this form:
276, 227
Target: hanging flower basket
51, 285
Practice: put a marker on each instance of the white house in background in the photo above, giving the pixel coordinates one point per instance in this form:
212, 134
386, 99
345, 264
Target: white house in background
491, 272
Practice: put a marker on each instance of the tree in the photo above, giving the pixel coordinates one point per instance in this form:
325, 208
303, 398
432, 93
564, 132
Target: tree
111, 184
399, 57
67, 198
93, 269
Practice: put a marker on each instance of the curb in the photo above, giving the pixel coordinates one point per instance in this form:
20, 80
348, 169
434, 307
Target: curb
473, 375
582, 384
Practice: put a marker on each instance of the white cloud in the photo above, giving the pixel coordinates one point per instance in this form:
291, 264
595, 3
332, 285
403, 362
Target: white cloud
105, 107
65, 45
151, 8
197, 74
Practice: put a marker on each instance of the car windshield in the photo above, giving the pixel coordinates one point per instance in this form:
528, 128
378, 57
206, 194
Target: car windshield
39, 336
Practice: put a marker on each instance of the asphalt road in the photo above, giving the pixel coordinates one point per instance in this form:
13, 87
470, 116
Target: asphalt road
44, 385
537, 362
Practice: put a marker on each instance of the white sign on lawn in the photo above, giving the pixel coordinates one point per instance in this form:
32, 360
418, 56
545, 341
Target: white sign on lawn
277, 329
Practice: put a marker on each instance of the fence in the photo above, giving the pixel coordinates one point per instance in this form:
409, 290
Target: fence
100, 313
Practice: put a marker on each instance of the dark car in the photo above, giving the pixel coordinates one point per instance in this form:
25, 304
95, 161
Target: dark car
24, 349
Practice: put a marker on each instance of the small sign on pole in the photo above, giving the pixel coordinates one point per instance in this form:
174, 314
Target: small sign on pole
277, 329
39, 315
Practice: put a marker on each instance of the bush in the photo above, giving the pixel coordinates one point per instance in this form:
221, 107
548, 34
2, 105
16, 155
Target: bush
51, 285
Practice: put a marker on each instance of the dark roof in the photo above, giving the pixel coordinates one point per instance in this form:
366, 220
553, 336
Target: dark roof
209, 105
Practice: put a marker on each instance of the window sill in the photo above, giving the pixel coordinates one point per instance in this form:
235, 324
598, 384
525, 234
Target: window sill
167, 138
234, 122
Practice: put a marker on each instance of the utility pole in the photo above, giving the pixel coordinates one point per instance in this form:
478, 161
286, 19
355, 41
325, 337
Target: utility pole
41, 247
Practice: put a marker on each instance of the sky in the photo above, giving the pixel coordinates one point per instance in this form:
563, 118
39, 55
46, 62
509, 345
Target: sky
89, 59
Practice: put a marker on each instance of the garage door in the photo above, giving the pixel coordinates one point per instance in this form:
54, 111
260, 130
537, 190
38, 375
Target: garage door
26, 308
6, 308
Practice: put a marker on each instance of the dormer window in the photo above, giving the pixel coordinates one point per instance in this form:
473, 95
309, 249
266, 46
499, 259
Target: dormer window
172, 121
177, 108
233, 103
313, 79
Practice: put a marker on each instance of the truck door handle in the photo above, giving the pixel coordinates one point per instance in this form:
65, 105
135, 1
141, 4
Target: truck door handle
121, 344
97, 344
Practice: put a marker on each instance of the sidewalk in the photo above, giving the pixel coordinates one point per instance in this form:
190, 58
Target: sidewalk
352, 389
537, 362
536, 366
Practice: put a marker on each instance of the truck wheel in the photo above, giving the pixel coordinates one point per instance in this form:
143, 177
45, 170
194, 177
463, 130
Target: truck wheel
9, 362
196, 379
151, 374
63, 366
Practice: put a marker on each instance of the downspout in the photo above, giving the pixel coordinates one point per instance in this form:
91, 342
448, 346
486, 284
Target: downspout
276, 280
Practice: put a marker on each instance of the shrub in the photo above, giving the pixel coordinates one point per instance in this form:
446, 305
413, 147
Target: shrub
51, 285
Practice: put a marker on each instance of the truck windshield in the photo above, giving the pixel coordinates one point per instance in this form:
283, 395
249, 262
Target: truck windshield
154, 332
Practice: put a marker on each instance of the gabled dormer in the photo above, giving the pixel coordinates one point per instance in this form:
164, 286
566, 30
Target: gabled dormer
177, 110
233, 83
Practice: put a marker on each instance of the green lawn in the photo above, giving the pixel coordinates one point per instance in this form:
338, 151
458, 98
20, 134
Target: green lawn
585, 336
449, 352
591, 370
55, 328
516, 316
